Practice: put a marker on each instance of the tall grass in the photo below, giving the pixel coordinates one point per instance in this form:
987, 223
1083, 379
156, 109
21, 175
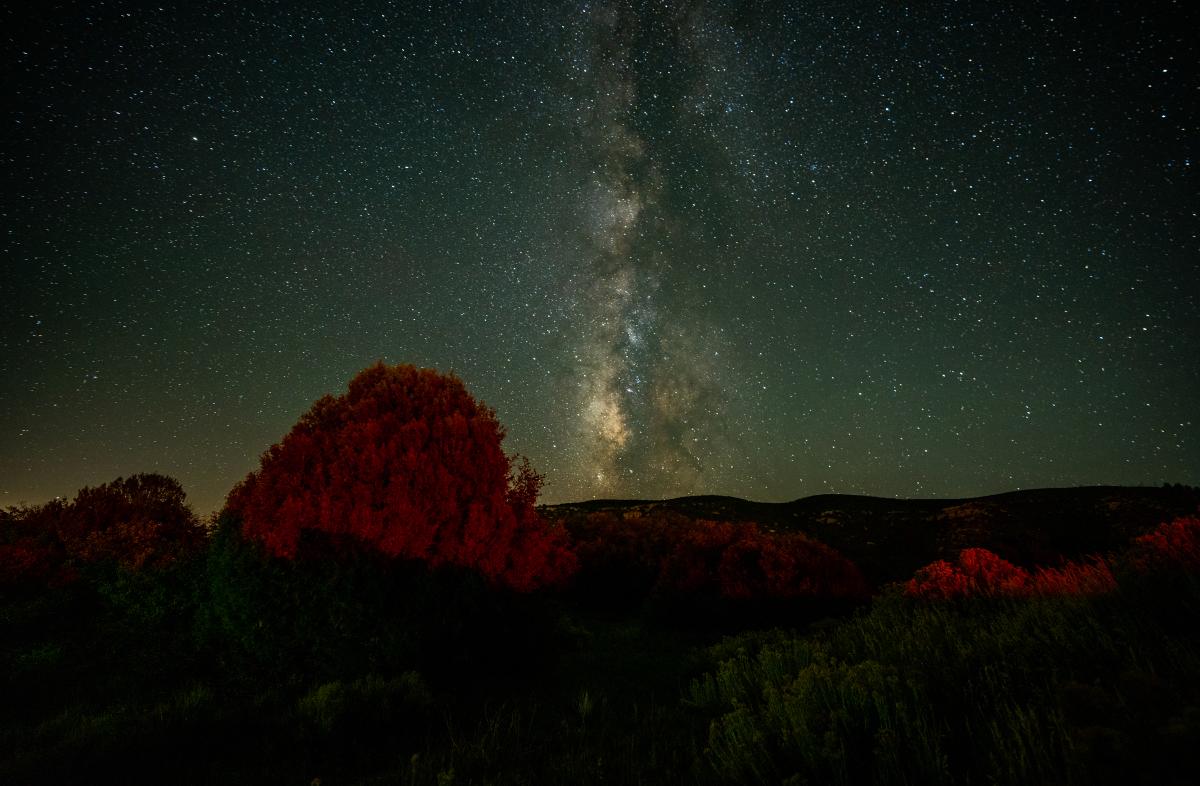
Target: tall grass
976, 691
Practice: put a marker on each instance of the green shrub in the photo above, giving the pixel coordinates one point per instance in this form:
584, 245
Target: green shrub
793, 711
371, 702
976, 691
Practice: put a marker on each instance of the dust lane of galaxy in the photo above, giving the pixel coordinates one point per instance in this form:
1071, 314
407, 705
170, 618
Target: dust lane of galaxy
613, 205
647, 377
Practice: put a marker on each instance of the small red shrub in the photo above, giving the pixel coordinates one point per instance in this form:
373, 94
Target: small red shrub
1074, 578
1175, 544
980, 573
990, 575
939, 580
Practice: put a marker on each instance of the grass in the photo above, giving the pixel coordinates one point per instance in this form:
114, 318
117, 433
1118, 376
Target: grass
1039, 690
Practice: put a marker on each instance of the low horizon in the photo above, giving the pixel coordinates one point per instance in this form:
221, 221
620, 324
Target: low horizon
213, 511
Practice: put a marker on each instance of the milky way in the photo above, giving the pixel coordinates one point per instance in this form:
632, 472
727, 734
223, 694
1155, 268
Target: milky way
647, 378
763, 249
612, 296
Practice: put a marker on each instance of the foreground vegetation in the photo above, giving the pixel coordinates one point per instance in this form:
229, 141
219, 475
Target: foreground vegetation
381, 602
1045, 690
226, 665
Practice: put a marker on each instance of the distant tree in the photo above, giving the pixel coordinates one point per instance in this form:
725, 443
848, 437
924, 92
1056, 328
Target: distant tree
409, 464
136, 522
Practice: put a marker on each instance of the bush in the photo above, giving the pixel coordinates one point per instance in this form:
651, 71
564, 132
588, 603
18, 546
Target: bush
742, 562
795, 714
670, 559
980, 573
408, 463
131, 523
368, 703
1174, 545
1044, 689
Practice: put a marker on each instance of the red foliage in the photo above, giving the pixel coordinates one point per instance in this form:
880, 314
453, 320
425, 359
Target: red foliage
980, 573
410, 464
26, 561
1173, 545
734, 560
939, 580
1074, 578
137, 522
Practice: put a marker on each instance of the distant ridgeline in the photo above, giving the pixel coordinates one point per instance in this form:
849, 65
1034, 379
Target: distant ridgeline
889, 539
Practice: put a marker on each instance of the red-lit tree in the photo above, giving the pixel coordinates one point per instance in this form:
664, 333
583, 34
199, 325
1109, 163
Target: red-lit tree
409, 463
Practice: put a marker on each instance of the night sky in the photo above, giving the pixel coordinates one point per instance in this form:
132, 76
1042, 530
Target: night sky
760, 249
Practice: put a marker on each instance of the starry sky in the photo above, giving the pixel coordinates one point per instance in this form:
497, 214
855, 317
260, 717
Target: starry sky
766, 249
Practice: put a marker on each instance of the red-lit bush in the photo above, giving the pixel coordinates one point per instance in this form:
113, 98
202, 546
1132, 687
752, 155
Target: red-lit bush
1172, 545
408, 463
136, 522
1074, 578
671, 554
940, 580
140, 521
980, 573
742, 561
625, 556
25, 561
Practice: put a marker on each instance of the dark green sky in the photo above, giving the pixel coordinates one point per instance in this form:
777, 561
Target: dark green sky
760, 249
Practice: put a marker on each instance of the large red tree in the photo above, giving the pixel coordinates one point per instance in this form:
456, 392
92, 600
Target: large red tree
408, 462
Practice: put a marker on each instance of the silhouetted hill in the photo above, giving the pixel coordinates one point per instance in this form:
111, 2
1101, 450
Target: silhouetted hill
890, 538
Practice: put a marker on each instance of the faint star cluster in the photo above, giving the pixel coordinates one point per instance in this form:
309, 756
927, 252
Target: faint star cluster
762, 249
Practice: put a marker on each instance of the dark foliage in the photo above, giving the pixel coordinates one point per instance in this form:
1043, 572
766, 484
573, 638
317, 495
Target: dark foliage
687, 567
889, 539
743, 562
138, 647
312, 617
131, 523
1049, 689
